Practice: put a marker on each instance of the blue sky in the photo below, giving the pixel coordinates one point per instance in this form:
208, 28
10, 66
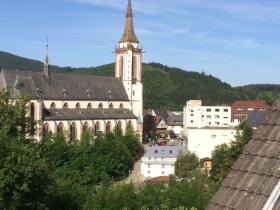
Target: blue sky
234, 40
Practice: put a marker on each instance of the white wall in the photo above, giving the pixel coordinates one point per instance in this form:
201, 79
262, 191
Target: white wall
151, 168
202, 141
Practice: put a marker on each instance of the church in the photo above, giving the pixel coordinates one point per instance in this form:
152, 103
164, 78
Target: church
73, 103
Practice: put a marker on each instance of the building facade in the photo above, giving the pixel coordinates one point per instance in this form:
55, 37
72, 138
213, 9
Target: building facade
160, 161
72, 103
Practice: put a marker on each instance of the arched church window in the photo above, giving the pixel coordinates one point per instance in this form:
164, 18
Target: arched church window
121, 67
46, 129
119, 127
111, 106
32, 116
53, 106
108, 127
96, 127
65, 105
89, 106
73, 131
129, 126
121, 106
134, 68
78, 106
100, 106
85, 127
60, 128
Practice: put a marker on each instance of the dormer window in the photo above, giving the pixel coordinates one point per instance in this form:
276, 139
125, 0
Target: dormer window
65, 94
88, 92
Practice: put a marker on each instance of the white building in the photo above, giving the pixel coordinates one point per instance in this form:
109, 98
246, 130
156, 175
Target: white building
160, 161
72, 103
206, 127
196, 115
202, 141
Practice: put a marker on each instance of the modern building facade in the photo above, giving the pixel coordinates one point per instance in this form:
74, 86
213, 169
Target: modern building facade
73, 104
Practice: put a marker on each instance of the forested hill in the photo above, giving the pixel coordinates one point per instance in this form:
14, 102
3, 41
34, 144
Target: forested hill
164, 87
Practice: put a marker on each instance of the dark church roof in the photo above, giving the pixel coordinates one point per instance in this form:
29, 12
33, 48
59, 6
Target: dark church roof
255, 119
58, 86
256, 173
87, 114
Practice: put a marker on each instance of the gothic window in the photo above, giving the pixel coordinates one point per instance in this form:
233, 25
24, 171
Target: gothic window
96, 127
78, 106
60, 128
121, 106
53, 105
65, 105
100, 106
111, 106
119, 127
108, 127
85, 127
73, 131
121, 67
89, 106
32, 116
134, 68
46, 129
129, 126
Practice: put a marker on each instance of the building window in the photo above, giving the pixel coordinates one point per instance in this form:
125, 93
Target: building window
121, 68
149, 172
121, 106
45, 129
32, 116
149, 165
170, 151
217, 116
239, 109
163, 166
85, 127
119, 127
111, 106
108, 127
191, 121
217, 110
134, 69
250, 109
89, 106
100, 106
192, 115
78, 106
60, 128
208, 110
65, 105
208, 116
217, 123
73, 131
96, 128
156, 151
162, 172
225, 110
129, 126
53, 106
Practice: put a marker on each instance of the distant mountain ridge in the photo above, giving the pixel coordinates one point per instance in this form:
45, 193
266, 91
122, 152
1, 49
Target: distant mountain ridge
164, 87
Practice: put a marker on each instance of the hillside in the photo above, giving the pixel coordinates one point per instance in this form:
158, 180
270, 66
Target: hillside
164, 87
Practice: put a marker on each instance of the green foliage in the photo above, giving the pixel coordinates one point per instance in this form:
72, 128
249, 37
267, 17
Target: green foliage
186, 164
224, 156
267, 96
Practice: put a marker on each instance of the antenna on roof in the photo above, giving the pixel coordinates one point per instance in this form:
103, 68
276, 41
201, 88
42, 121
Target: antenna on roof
46, 63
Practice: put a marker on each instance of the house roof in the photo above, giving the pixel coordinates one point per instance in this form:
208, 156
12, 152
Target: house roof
87, 114
255, 119
164, 151
249, 104
256, 173
170, 118
58, 86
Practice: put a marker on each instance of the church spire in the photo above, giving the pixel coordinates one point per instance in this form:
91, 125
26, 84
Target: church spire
46, 63
129, 34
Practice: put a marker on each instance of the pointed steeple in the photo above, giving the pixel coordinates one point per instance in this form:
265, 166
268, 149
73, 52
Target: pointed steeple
129, 34
46, 63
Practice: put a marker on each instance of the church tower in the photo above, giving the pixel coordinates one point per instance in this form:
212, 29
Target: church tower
129, 64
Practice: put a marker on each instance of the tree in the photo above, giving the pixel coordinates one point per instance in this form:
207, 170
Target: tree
224, 156
267, 96
186, 164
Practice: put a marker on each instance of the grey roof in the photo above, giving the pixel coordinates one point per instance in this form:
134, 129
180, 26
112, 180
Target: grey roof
171, 118
164, 151
255, 119
87, 114
256, 172
59, 86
